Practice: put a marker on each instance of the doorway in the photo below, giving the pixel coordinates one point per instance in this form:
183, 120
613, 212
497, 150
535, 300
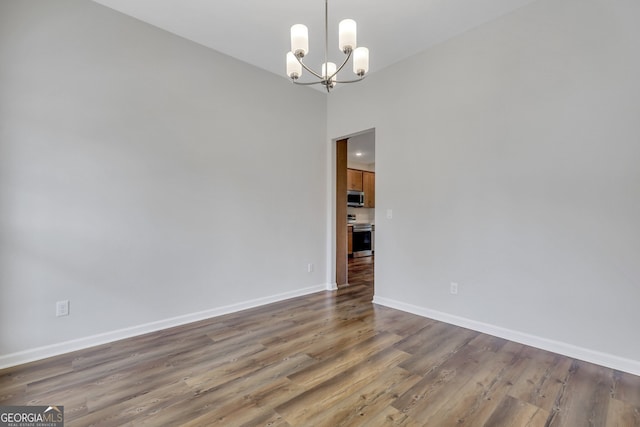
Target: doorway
355, 218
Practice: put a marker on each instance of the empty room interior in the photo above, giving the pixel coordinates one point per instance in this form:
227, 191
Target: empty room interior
206, 219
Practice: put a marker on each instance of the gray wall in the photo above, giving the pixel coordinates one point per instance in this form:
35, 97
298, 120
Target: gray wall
145, 177
509, 156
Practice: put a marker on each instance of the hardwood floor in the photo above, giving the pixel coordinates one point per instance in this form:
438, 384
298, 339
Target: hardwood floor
360, 271
327, 359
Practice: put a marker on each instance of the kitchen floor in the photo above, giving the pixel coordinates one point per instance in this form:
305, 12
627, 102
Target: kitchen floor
360, 271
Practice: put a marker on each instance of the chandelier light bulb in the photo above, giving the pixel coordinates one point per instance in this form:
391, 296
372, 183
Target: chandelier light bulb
294, 69
361, 61
299, 40
347, 35
328, 70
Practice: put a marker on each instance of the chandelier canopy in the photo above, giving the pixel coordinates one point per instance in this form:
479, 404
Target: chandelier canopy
328, 77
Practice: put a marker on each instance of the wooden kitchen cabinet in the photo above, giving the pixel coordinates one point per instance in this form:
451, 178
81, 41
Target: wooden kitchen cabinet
369, 188
350, 241
354, 180
364, 181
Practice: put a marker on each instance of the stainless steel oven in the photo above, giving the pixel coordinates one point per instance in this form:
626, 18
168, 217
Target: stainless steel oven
362, 240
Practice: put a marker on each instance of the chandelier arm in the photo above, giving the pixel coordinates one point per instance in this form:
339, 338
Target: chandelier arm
341, 66
308, 69
307, 83
351, 81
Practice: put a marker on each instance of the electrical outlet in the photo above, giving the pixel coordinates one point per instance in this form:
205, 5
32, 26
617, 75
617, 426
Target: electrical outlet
389, 213
62, 308
454, 288
309, 268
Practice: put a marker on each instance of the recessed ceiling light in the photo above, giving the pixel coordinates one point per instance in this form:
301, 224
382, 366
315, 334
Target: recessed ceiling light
358, 154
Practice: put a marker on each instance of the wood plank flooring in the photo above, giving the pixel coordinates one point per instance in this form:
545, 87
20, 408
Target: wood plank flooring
360, 271
327, 359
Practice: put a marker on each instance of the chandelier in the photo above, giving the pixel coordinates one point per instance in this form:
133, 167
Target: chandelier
329, 75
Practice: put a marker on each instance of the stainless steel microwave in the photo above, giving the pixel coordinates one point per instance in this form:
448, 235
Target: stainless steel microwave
355, 199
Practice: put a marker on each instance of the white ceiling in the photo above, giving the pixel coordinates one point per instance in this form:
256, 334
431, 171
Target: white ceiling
257, 31
361, 148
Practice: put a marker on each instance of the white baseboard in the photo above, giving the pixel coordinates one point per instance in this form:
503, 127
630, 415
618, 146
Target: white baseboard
332, 286
57, 349
575, 352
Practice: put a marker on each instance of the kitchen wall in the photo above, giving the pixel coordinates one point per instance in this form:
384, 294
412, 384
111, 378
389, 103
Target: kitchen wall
363, 214
509, 157
145, 178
